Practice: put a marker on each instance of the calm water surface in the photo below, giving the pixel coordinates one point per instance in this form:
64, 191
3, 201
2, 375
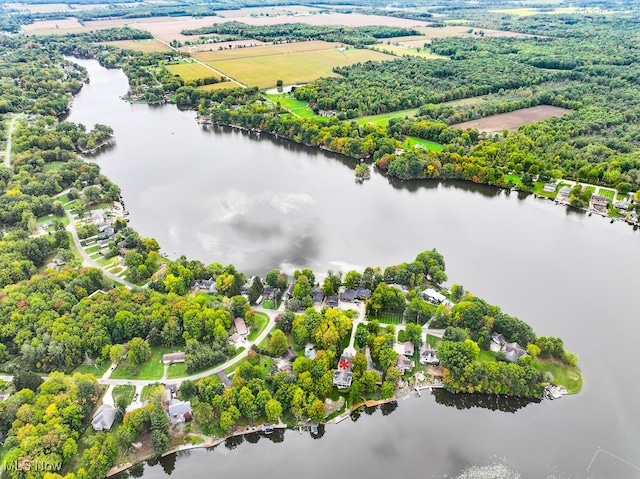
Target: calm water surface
226, 196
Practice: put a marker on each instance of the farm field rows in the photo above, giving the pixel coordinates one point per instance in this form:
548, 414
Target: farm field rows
219, 86
513, 120
191, 71
265, 70
264, 50
144, 46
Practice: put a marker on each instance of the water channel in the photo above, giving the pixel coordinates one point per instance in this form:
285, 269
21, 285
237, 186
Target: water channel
259, 203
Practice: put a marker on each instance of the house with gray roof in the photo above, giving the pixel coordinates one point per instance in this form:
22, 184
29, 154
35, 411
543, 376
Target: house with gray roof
241, 326
343, 376
104, 417
513, 352
179, 411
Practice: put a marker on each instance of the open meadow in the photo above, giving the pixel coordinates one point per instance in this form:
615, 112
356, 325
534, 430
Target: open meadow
300, 62
403, 49
514, 119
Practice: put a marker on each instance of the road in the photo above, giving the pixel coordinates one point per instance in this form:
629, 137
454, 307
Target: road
217, 72
7, 153
221, 367
87, 260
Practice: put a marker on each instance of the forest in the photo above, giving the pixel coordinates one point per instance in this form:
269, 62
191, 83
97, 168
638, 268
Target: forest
357, 36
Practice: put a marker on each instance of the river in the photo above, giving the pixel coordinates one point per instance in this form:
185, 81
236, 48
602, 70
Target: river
231, 197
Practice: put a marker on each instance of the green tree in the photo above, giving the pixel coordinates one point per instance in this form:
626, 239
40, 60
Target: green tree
273, 410
278, 343
139, 351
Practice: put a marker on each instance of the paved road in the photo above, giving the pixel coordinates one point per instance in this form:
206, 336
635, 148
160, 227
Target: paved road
88, 261
219, 73
7, 153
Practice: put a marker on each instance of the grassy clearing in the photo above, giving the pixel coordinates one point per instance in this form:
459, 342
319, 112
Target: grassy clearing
145, 46
126, 392
515, 179
538, 188
383, 118
177, 370
568, 376
621, 197
411, 142
414, 51
97, 368
152, 369
387, 318
53, 166
298, 107
191, 71
433, 341
295, 67
261, 322
269, 304
486, 356
607, 193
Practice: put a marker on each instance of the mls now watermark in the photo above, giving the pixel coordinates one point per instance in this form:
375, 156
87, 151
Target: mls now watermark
26, 465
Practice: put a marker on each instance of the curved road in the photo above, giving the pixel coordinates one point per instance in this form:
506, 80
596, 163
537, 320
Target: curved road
221, 367
88, 261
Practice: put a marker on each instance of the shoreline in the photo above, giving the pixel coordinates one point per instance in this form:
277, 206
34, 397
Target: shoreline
206, 122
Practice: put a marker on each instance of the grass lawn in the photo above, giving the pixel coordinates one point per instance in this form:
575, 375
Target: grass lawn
486, 356
591, 189
92, 249
383, 118
145, 394
152, 369
298, 107
411, 142
621, 197
53, 166
97, 369
607, 193
568, 376
515, 179
123, 391
261, 321
387, 318
269, 304
538, 188
191, 71
177, 370
433, 341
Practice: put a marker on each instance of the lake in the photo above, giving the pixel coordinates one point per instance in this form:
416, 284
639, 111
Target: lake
226, 196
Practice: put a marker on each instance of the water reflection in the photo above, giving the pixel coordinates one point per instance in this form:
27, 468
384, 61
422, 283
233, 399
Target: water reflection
484, 401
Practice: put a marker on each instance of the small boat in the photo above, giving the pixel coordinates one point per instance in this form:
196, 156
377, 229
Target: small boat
267, 429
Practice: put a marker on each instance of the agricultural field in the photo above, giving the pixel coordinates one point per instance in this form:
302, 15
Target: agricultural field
265, 50
292, 63
38, 8
145, 46
219, 86
525, 12
52, 27
458, 31
215, 46
264, 11
513, 120
191, 71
